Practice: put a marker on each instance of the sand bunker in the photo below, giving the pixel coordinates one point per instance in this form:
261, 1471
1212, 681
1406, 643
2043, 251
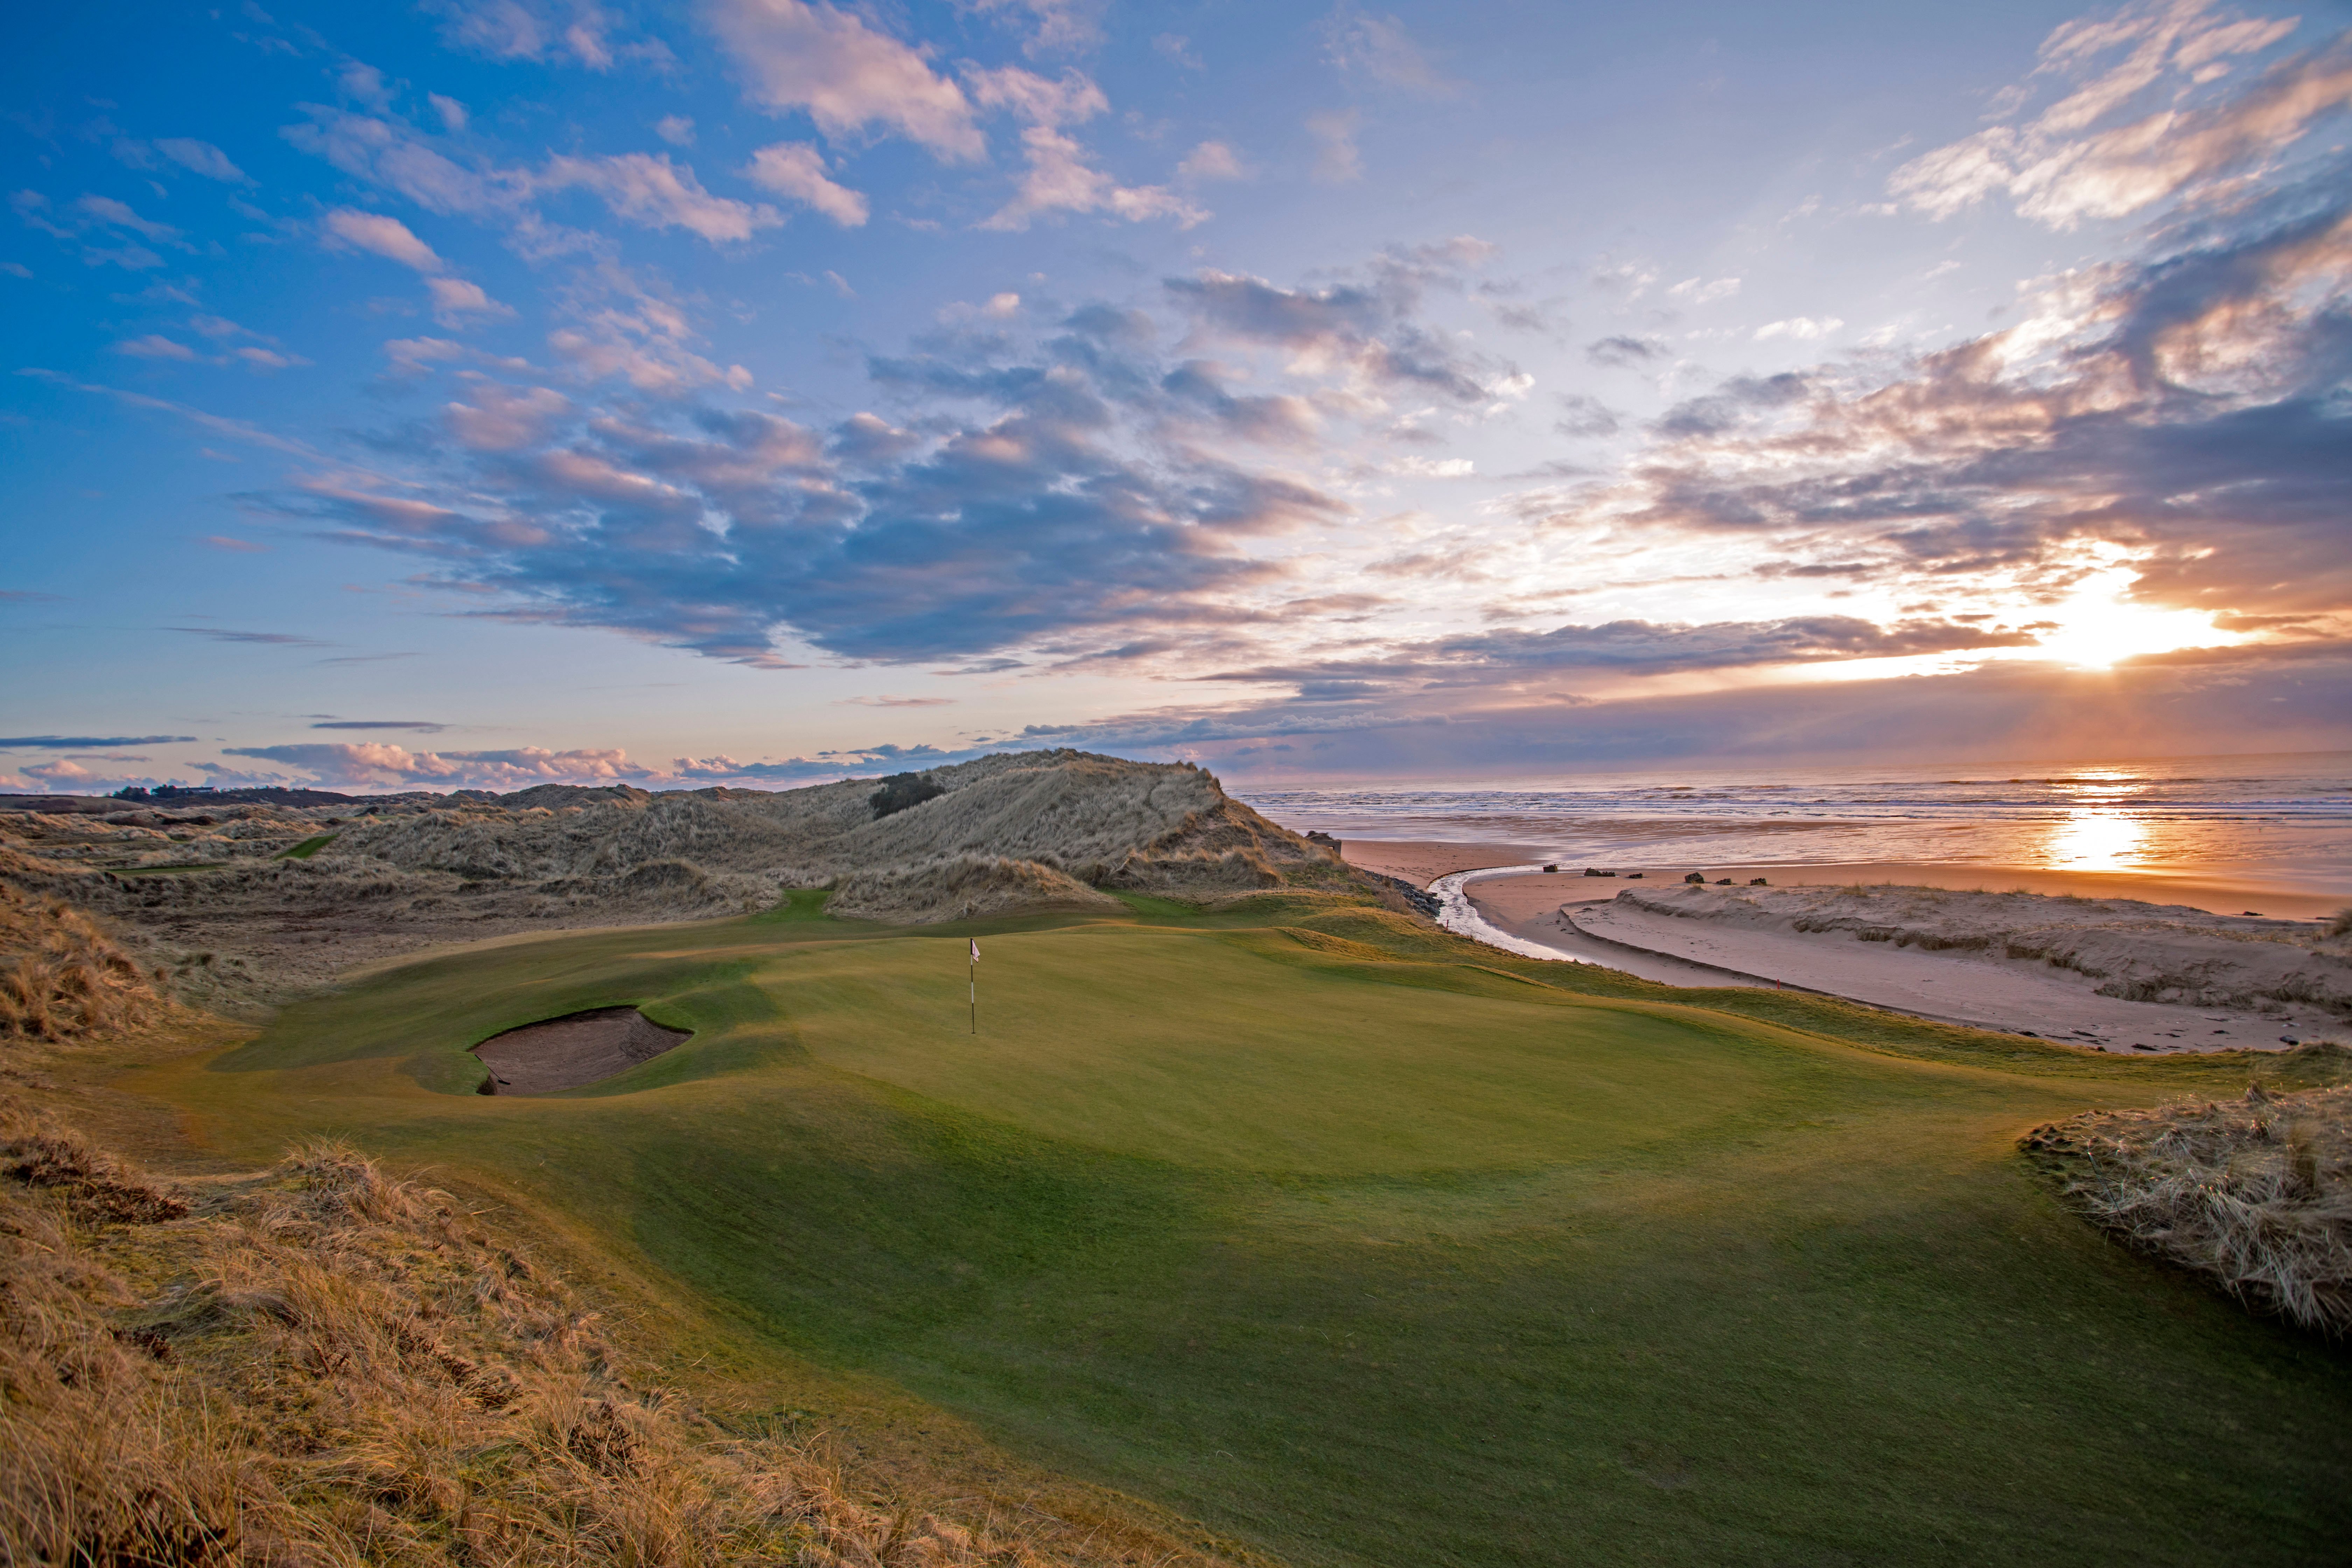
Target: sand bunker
564, 1053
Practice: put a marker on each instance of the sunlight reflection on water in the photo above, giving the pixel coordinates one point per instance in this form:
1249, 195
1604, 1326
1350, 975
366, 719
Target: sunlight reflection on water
2098, 841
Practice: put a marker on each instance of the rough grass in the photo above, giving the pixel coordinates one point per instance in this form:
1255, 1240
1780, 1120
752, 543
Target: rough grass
2254, 1194
62, 976
316, 1363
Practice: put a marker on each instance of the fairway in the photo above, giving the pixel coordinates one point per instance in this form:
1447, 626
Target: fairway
1368, 1248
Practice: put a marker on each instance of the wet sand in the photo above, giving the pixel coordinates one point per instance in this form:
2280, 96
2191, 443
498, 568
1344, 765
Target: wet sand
1424, 861
2229, 891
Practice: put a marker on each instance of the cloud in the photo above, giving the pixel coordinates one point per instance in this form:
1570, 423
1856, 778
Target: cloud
796, 169
502, 419
647, 189
381, 235
1061, 177
1212, 161
2081, 158
234, 546
1581, 415
1338, 160
84, 742
1381, 49
425, 725
579, 31
1695, 291
2217, 703
1799, 327
1176, 48
452, 112
844, 75
155, 346
1621, 352
217, 634
1058, 484
381, 765
76, 222
1368, 329
1056, 26
267, 360
119, 215
417, 356
675, 129
393, 155
456, 301
235, 429
626, 324
203, 158
2175, 424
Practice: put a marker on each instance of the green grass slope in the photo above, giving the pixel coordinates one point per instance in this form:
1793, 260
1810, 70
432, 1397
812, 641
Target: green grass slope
1369, 1247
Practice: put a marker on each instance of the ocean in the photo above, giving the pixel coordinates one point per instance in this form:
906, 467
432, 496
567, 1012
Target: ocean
2285, 818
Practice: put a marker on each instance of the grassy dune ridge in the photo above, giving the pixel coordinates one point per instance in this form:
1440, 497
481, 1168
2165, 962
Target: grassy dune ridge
1367, 1245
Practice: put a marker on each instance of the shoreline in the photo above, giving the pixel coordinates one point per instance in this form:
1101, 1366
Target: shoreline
1569, 917
2220, 890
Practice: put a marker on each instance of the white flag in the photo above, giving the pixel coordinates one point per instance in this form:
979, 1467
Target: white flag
975, 950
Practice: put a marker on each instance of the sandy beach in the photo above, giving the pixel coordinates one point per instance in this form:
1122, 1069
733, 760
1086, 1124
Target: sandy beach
1580, 916
2228, 891
1985, 987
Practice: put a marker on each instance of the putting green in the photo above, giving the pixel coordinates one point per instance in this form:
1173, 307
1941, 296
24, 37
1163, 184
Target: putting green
1375, 1251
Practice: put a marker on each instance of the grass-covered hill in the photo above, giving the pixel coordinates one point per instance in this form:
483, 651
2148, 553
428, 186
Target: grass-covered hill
1357, 1243
247, 903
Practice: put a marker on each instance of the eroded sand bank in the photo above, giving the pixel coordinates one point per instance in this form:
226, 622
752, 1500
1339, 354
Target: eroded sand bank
2118, 973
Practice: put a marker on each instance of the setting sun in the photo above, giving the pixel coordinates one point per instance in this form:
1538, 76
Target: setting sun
2096, 625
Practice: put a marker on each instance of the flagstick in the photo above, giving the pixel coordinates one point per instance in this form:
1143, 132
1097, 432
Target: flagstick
975, 997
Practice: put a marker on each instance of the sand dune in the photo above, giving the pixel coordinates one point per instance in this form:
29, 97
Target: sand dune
250, 902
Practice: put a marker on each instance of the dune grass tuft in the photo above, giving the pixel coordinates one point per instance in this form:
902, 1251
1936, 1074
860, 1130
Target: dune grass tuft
321, 1364
61, 976
2255, 1192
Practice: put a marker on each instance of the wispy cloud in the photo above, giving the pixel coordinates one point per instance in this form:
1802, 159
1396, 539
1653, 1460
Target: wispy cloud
84, 742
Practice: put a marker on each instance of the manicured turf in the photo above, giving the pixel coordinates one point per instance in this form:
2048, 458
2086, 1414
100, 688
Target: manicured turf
309, 847
1368, 1247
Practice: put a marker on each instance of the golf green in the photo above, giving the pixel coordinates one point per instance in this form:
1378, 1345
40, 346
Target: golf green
1369, 1248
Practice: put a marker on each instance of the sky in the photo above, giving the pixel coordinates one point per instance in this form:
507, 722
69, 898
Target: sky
488, 392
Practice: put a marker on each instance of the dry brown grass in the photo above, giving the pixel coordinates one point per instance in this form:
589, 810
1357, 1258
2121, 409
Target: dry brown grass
318, 1363
61, 976
2254, 1194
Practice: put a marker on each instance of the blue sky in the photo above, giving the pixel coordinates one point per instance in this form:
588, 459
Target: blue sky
486, 392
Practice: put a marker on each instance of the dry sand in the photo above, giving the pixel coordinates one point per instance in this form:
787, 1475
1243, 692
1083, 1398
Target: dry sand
565, 1053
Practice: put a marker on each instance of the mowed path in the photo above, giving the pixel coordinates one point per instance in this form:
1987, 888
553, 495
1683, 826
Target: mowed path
1370, 1258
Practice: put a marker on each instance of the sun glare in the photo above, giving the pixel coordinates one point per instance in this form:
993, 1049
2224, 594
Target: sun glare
2096, 625
2097, 841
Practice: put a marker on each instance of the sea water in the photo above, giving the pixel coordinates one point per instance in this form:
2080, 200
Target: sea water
2286, 818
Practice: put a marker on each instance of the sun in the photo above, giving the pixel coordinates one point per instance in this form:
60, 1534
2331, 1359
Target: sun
2096, 625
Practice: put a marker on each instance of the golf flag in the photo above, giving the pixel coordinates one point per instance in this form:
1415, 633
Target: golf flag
975, 950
